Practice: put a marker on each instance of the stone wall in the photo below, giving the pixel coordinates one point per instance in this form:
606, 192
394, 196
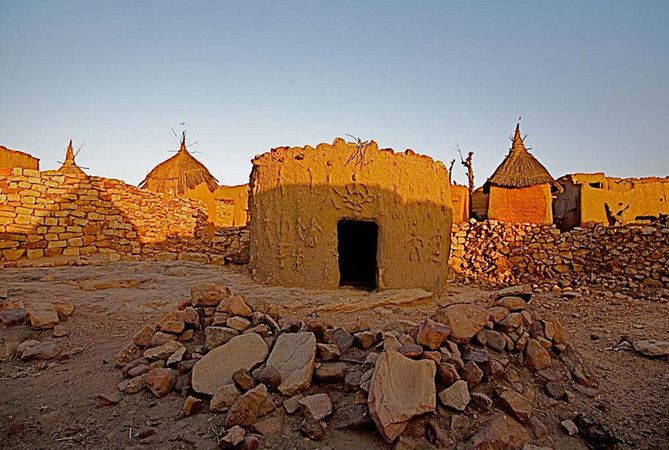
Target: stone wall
624, 257
49, 214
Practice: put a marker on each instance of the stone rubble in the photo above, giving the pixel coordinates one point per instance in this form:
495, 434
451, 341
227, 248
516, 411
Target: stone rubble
465, 359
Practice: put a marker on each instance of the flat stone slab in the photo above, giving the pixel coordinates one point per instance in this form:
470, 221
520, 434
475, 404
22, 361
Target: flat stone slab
294, 356
215, 369
401, 389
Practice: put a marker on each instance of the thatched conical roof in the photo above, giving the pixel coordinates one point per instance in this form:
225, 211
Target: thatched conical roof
69, 166
178, 174
519, 168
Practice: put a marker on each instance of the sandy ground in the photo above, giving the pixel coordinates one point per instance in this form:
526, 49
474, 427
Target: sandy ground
54, 404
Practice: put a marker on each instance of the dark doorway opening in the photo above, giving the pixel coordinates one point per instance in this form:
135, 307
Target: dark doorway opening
357, 245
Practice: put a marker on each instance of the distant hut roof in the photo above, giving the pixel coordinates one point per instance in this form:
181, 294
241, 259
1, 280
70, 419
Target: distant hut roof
69, 166
519, 168
178, 174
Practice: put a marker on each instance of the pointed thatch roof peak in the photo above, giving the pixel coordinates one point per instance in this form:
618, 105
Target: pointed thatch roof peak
179, 173
519, 168
70, 166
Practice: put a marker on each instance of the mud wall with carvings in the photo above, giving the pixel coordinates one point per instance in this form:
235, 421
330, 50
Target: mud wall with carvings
630, 256
50, 214
299, 194
586, 197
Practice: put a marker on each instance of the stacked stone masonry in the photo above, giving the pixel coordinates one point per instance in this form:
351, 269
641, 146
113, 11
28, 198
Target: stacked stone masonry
629, 256
49, 214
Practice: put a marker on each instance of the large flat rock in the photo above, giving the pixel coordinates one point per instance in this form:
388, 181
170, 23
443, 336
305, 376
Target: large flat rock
294, 355
464, 319
401, 389
216, 368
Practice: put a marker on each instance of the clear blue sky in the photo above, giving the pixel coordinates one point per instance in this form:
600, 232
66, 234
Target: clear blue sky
590, 79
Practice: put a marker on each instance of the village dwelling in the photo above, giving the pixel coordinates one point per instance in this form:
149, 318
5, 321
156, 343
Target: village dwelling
349, 215
10, 159
183, 176
520, 188
593, 198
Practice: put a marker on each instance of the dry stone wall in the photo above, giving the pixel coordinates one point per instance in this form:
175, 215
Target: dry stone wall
50, 214
629, 256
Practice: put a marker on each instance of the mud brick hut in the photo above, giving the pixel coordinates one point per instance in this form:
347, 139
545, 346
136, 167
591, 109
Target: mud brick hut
520, 188
349, 215
69, 166
594, 198
183, 176
10, 159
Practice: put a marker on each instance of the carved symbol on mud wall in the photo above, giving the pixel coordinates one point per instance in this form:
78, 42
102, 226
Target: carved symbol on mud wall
309, 232
355, 197
311, 180
415, 244
435, 248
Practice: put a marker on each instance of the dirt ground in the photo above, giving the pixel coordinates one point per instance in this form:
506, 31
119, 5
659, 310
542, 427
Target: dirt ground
54, 404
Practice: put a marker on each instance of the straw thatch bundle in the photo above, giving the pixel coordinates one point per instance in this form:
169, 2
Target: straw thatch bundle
178, 174
519, 168
69, 166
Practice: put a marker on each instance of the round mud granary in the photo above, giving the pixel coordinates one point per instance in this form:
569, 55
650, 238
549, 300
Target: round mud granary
350, 214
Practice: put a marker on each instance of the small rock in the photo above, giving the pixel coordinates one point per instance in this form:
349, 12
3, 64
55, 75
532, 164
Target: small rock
432, 334
172, 326
318, 406
233, 437
268, 376
164, 351
472, 374
328, 352
555, 389
537, 357
161, 381
340, 337
518, 405
108, 399
143, 337
249, 406
331, 372
480, 402
291, 404
41, 315
161, 338
569, 427
209, 294
313, 429
192, 405
500, 432
243, 379
352, 417
133, 385
364, 339
413, 351
238, 307
455, 396
224, 397
217, 336
238, 323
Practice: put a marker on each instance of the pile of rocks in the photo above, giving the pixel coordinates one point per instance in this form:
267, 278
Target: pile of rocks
39, 316
622, 257
222, 356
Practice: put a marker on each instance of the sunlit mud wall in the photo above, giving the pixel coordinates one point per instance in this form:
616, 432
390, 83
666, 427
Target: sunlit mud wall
298, 195
586, 198
238, 198
50, 214
521, 205
460, 196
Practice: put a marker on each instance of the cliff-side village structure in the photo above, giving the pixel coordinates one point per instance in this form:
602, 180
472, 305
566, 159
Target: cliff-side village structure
372, 233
